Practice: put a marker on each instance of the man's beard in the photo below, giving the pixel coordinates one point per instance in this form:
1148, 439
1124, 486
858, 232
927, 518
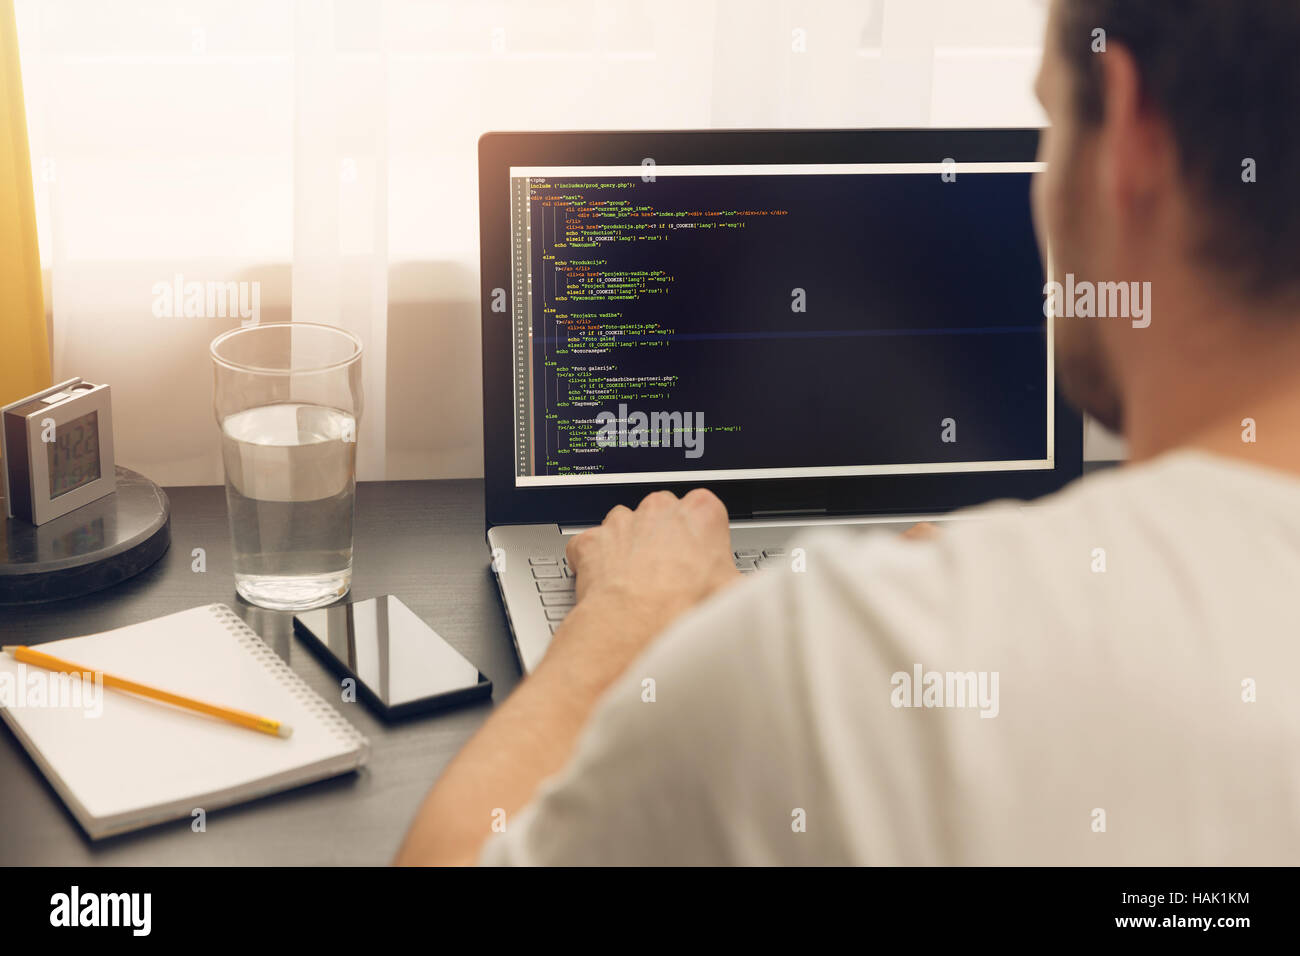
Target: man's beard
1084, 371
1083, 368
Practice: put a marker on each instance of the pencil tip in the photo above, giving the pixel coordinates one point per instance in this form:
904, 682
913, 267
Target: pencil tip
285, 730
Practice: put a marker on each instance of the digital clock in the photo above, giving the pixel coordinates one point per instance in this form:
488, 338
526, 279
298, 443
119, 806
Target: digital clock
57, 447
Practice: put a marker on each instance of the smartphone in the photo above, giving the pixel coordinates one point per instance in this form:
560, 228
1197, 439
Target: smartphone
400, 664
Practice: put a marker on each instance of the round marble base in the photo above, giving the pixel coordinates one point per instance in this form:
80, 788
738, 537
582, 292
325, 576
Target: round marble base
94, 547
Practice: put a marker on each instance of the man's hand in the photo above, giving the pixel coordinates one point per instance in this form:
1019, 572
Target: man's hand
636, 573
923, 531
639, 570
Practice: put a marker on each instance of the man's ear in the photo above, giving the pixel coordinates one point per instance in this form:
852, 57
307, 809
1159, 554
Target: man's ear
1136, 156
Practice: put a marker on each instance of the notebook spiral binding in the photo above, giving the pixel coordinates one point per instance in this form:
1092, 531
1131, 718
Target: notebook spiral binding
285, 675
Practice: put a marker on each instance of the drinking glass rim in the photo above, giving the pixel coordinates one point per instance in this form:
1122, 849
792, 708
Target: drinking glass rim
259, 370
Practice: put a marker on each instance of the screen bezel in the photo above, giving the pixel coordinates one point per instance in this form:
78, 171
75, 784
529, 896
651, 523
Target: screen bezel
506, 503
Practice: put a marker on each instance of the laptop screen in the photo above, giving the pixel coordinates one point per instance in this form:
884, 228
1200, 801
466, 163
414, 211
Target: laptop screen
684, 323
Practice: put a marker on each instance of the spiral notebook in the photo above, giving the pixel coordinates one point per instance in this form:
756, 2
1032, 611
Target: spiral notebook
139, 762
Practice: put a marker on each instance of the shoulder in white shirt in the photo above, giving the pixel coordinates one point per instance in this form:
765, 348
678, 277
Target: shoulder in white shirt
1118, 668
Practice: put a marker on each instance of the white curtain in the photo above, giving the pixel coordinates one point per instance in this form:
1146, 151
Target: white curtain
324, 153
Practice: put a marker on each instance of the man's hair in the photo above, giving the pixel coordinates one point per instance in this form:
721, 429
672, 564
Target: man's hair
1226, 76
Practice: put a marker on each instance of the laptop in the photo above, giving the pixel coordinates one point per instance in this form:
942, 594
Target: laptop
822, 327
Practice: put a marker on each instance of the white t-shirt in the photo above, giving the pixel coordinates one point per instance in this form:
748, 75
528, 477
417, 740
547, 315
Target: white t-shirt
1135, 641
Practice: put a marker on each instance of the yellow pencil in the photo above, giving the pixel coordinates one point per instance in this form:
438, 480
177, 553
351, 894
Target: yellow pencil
244, 719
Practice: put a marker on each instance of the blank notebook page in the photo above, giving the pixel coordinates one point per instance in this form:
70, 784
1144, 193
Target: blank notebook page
143, 761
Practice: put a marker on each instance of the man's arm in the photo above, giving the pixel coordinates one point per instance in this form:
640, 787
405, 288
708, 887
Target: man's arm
636, 573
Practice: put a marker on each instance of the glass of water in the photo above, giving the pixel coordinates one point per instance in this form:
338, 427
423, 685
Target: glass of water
287, 398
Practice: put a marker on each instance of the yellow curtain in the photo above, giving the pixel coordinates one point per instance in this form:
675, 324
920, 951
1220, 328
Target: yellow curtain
24, 346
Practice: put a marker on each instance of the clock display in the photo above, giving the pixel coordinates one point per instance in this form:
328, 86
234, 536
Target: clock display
74, 454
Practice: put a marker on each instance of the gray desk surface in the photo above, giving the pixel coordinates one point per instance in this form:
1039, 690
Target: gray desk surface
420, 540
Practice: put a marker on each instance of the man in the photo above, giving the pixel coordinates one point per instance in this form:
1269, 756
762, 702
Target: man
1116, 669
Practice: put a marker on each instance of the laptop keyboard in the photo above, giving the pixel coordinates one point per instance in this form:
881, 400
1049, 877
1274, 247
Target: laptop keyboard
556, 584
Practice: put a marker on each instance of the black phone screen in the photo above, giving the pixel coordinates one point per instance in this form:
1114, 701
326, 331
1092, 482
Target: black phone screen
400, 663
